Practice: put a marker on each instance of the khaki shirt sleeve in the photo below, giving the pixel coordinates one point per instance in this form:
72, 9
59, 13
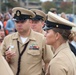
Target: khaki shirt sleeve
47, 52
57, 69
4, 67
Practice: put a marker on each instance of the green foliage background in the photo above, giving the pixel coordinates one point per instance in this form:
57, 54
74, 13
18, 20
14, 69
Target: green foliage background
61, 6
66, 7
9, 4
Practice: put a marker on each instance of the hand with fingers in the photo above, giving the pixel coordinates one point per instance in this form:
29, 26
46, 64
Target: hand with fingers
9, 54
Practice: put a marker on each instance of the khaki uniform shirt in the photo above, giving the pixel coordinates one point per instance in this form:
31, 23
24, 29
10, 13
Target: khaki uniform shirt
4, 67
63, 62
31, 60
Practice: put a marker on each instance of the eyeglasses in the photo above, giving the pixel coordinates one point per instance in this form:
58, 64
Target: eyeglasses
22, 21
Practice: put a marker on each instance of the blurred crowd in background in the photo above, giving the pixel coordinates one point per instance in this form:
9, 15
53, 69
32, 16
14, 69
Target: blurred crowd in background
7, 24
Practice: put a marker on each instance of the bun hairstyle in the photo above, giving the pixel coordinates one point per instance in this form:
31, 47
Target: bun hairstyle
72, 35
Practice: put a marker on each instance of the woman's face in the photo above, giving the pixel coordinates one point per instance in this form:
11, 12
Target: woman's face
50, 37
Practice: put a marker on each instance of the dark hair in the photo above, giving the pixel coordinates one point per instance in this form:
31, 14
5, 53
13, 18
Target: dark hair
65, 33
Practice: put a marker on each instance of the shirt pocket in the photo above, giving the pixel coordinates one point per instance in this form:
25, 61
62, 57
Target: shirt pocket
34, 56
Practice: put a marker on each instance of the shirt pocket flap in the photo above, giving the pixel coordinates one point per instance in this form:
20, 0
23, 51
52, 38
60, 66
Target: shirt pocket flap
33, 52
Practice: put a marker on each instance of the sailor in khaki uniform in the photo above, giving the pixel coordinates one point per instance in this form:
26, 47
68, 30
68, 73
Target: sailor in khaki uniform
4, 67
26, 48
58, 31
38, 21
37, 25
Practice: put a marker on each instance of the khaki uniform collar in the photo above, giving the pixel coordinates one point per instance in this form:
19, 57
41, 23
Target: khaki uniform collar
64, 45
30, 37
